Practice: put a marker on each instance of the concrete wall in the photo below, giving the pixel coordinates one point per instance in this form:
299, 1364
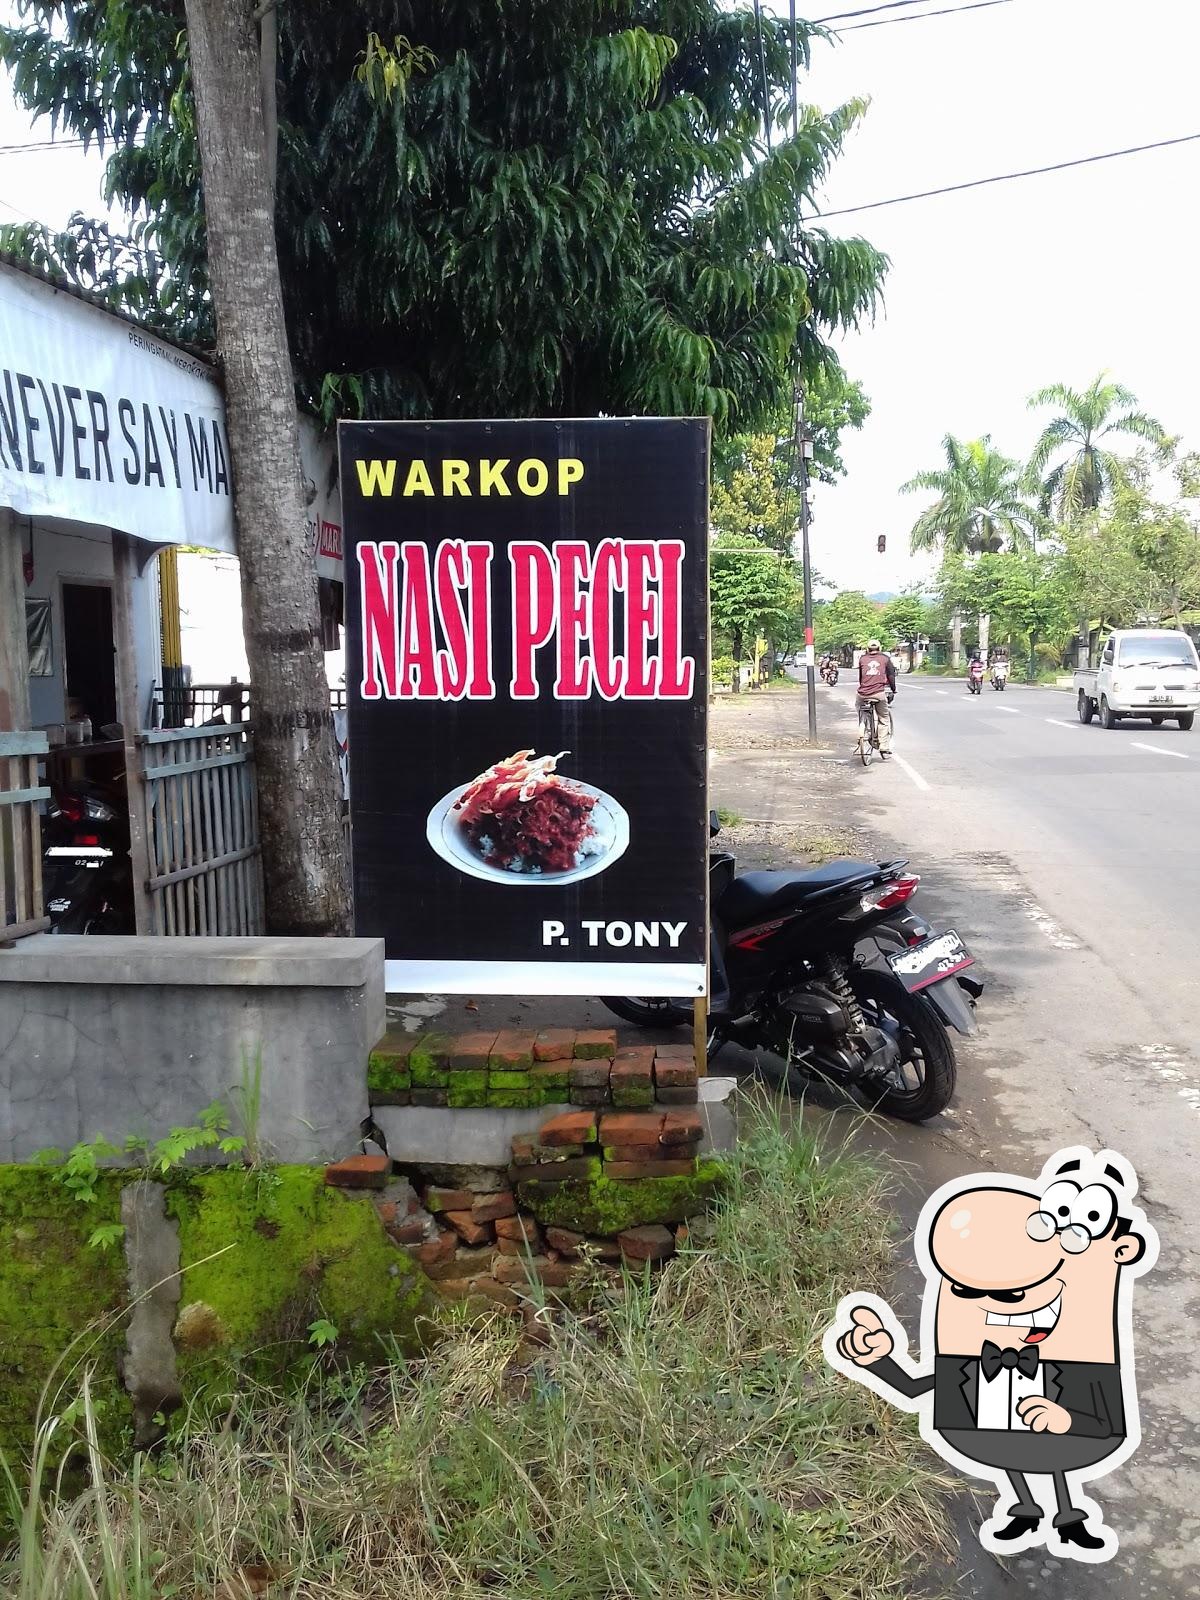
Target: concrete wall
127, 1036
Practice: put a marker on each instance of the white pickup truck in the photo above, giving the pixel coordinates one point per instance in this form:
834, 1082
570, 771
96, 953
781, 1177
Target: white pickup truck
1143, 672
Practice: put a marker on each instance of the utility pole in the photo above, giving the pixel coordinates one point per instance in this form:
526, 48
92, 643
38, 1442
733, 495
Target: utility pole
803, 447
803, 450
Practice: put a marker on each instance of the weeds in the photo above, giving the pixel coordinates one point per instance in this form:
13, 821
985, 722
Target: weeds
683, 1441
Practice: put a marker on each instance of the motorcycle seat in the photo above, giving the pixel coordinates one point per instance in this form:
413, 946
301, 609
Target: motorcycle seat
756, 895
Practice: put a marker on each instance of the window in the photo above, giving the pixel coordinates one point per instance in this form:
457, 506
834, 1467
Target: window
1108, 654
1158, 650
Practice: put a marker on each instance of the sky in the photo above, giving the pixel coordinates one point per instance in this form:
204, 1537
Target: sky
992, 293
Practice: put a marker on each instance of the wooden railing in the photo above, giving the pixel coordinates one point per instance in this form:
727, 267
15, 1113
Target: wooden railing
203, 843
21, 909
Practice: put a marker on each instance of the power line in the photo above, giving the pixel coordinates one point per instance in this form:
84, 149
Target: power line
1008, 177
868, 11
921, 16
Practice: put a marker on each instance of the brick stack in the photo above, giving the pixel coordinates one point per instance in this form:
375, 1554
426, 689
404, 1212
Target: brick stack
480, 1241
526, 1069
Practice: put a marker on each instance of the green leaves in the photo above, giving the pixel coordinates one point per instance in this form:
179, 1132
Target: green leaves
980, 504
481, 209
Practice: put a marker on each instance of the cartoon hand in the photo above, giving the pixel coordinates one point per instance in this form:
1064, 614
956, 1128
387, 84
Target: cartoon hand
867, 1339
1043, 1416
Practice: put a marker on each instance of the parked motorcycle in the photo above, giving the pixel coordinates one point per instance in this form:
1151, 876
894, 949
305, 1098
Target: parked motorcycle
85, 863
831, 968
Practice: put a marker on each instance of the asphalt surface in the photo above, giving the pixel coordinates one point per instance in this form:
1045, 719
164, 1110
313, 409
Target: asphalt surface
1068, 859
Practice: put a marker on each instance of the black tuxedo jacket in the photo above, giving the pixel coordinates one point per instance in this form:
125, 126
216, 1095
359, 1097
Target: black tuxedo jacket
1089, 1390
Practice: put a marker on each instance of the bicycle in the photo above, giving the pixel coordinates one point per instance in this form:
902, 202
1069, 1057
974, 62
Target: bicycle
868, 732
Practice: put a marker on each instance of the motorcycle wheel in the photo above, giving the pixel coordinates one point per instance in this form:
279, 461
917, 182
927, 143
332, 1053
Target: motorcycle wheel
927, 1065
647, 1011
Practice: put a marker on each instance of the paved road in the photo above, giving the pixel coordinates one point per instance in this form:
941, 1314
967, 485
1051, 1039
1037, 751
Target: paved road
1069, 857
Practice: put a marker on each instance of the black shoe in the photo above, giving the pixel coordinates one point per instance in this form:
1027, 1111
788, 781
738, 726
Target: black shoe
1018, 1528
1076, 1533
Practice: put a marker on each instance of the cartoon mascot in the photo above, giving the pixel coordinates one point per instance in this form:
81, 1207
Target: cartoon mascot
1027, 1316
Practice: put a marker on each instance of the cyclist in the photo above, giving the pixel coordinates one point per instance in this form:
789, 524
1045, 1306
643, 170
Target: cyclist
876, 688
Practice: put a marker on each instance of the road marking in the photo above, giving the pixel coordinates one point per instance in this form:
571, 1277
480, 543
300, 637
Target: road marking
1158, 750
1046, 925
941, 691
1012, 710
911, 771
1172, 1068
1057, 722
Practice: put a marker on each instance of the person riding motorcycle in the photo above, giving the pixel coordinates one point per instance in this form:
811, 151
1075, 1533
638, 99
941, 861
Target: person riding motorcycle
975, 672
877, 688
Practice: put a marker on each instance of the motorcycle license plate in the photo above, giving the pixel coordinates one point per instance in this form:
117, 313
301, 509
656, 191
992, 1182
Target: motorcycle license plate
931, 961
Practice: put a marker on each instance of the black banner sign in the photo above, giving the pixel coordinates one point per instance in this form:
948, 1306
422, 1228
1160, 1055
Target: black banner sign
527, 677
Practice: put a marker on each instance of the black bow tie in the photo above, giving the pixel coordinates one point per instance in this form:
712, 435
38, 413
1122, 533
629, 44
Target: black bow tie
992, 1358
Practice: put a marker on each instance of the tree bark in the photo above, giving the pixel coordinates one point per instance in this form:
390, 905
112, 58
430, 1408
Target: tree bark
298, 781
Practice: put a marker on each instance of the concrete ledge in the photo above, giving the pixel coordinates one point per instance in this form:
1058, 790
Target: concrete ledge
136, 1036
259, 963
481, 1137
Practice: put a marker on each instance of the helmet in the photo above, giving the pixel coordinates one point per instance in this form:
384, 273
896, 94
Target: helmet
874, 644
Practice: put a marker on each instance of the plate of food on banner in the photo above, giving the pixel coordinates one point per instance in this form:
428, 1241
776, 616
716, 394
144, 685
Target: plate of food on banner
523, 822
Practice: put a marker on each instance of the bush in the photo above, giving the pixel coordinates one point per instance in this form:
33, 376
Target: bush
722, 671
1048, 655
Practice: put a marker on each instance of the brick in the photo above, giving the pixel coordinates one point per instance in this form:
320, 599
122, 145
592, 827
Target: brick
676, 1097
557, 1171
551, 1075
523, 1228
524, 1269
428, 1075
570, 1127
590, 1074
429, 1051
641, 1152
515, 1247
359, 1172
429, 1097
522, 1147
591, 1097
631, 1127
649, 1169
513, 1050
492, 1290
463, 1090
393, 1049
547, 1154
649, 1243
675, 1052
632, 1093
412, 1230
595, 1044
471, 1051
564, 1240
516, 1079
512, 1099
640, 1056
436, 1250
448, 1199
389, 1097
675, 1074
468, 1228
681, 1127
554, 1044
488, 1207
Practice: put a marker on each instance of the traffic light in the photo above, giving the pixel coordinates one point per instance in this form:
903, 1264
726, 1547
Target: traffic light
881, 545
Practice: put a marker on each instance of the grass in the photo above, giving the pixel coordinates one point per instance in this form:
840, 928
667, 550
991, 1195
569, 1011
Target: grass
828, 845
682, 1440
728, 818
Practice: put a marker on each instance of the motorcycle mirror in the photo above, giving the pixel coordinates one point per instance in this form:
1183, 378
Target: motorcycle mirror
714, 824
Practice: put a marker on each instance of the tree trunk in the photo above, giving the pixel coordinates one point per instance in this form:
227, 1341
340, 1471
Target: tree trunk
985, 630
298, 781
737, 641
955, 641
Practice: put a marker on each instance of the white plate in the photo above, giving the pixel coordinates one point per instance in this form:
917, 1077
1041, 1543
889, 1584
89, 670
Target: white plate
445, 834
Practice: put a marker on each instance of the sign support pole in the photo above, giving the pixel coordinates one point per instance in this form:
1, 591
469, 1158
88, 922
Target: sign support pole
700, 1035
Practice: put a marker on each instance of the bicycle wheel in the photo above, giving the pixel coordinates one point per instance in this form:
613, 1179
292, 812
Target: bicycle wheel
866, 737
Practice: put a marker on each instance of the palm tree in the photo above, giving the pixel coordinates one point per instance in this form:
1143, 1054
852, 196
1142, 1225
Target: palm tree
981, 504
1087, 469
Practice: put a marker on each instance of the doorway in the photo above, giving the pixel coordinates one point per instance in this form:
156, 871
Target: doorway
89, 652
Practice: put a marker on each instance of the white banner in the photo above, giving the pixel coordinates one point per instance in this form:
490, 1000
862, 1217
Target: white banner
102, 423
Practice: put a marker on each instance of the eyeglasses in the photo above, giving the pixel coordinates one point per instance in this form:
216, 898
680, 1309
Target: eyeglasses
1073, 1237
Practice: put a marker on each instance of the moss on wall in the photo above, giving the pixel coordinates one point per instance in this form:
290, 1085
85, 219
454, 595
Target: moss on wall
265, 1254
606, 1205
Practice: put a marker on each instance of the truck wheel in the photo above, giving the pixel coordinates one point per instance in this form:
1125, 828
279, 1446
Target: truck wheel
1087, 708
1185, 720
1108, 717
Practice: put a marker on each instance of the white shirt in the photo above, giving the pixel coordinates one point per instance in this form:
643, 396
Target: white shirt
998, 1398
